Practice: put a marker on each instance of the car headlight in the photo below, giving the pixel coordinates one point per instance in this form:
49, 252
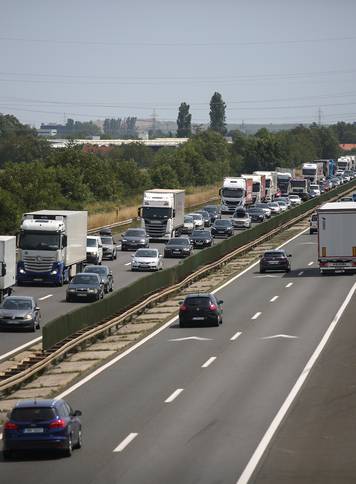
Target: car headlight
123, 240
142, 241
186, 249
71, 290
92, 290
28, 316
54, 272
22, 271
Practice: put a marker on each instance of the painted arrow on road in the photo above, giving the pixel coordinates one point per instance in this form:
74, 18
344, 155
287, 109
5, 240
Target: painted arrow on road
287, 336
197, 338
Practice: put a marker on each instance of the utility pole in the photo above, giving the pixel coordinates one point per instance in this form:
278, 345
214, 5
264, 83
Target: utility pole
319, 116
153, 128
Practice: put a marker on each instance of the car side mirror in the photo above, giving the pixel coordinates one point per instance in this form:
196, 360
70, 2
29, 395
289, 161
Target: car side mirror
180, 302
110, 273
220, 301
77, 413
289, 255
37, 308
160, 256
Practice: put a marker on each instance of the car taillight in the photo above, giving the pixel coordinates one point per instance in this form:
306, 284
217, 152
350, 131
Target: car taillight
212, 307
183, 308
57, 424
10, 426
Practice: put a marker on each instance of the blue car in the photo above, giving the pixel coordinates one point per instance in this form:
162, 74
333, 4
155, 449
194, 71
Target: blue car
42, 425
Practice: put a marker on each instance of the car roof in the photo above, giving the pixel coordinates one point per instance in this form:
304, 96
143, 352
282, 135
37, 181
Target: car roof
30, 298
87, 274
199, 294
274, 250
45, 403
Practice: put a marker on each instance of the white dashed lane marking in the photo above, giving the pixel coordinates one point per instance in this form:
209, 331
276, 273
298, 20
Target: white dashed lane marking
125, 442
289, 284
174, 395
274, 298
208, 362
236, 335
257, 315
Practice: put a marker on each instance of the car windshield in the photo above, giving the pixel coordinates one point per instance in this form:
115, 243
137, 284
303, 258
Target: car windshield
271, 255
211, 209
102, 270
281, 202
85, 279
188, 219
273, 204
135, 233
240, 214
146, 253
178, 242
201, 233
11, 303
197, 216
261, 205
107, 240
32, 413
222, 223
91, 242
198, 301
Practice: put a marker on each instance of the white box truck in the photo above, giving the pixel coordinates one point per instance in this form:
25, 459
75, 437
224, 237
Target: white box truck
337, 237
271, 183
7, 264
162, 213
52, 246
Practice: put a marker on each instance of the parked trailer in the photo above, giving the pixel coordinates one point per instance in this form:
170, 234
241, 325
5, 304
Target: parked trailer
337, 237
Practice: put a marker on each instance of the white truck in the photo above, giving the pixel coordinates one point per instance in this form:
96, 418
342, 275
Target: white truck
52, 246
7, 264
344, 163
271, 183
162, 213
313, 171
235, 192
300, 186
337, 237
258, 187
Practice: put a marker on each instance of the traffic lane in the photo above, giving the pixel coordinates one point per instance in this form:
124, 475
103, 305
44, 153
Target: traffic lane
118, 403
316, 441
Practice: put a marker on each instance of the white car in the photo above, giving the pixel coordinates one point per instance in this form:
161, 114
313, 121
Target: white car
274, 207
315, 189
295, 200
241, 219
198, 220
313, 223
282, 205
188, 225
146, 260
94, 249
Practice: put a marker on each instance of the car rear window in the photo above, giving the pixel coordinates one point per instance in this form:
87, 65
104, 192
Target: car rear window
33, 413
271, 255
201, 301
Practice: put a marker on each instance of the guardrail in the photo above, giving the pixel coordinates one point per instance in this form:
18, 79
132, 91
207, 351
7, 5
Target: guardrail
66, 332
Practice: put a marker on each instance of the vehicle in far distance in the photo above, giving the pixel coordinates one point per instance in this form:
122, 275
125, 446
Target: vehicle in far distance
300, 186
275, 207
178, 247
206, 217
162, 213
337, 237
201, 239
188, 225
236, 192
282, 205
295, 199
241, 219
7, 264
283, 182
258, 187
109, 247
313, 223
146, 260
314, 187
20, 312
271, 184
313, 171
105, 275
134, 239
256, 214
198, 220
275, 260
344, 163
35, 425
85, 286
94, 249
264, 207
200, 308
222, 228
214, 212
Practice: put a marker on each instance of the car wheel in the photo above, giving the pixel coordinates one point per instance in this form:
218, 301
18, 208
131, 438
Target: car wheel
111, 289
7, 454
69, 450
112, 256
262, 271
217, 322
38, 324
102, 295
106, 289
182, 325
115, 255
79, 443
68, 299
33, 327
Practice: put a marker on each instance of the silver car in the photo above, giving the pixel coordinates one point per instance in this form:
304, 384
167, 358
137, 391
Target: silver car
146, 260
20, 312
241, 219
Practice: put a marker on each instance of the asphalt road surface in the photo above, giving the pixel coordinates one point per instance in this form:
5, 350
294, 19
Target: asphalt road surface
177, 410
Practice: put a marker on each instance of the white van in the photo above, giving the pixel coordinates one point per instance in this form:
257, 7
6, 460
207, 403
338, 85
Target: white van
313, 223
94, 249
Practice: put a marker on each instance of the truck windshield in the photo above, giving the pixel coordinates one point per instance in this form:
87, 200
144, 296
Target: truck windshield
39, 241
256, 187
268, 183
298, 183
309, 171
157, 212
232, 192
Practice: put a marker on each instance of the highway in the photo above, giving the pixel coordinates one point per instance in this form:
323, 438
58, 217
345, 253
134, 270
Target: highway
194, 411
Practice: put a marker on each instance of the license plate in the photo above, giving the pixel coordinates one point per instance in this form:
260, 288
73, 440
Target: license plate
81, 295
274, 262
38, 279
198, 318
37, 430
199, 243
176, 252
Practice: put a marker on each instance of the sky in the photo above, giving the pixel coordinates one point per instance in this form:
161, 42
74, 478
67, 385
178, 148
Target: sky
275, 61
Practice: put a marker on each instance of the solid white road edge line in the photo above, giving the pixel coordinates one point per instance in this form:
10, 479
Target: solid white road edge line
174, 395
266, 439
161, 328
236, 335
125, 442
289, 284
208, 362
19, 348
45, 297
257, 315
274, 299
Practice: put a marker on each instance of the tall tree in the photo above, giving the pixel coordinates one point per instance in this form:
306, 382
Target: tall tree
184, 121
217, 114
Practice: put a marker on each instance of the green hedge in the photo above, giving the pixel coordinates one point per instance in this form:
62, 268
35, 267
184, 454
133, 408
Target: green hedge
66, 325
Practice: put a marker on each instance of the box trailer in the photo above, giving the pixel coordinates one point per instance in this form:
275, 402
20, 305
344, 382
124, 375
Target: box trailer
7, 264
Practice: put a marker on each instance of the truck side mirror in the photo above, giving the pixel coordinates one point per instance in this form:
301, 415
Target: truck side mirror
139, 212
174, 213
3, 269
64, 241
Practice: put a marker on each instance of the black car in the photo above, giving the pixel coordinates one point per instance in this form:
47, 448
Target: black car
206, 217
178, 247
85, 285
222, 228
109, 247
105, 275
42, 425
201, 239
275, 260
20, 312
105, 231
214, 212
134, 239
200, 308
256, 214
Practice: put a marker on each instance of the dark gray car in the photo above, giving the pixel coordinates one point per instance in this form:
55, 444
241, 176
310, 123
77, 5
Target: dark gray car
178, 247
20, 312
85, 285
134, 239
105, 275
109, 247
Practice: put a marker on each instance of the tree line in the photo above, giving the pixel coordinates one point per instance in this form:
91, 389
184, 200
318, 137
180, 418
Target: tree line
33, 175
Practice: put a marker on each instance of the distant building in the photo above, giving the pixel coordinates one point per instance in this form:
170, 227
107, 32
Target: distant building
47, 132
348, 146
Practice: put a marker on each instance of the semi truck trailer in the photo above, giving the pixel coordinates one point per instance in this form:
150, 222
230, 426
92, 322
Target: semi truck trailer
7, 264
